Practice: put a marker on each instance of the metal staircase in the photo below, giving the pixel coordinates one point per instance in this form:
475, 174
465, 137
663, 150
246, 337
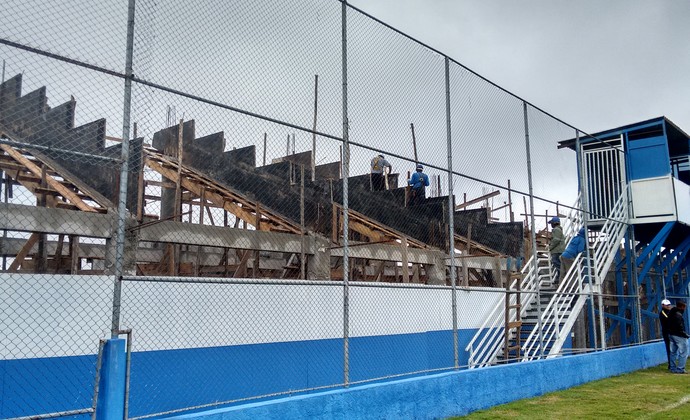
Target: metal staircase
564, 303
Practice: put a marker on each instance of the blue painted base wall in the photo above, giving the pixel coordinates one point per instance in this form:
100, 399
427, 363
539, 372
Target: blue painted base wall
450, 394
175, 379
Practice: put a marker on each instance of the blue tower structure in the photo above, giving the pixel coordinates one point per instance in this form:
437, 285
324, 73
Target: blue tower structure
642, 169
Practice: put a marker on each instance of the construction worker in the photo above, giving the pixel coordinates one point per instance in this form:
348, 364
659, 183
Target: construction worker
664, 320
679, 338
575, 247
419, 181
556, 247
378, 165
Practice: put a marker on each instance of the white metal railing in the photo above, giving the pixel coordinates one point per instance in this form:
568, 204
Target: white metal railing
558, 318
610, 236
560, 313
487, 343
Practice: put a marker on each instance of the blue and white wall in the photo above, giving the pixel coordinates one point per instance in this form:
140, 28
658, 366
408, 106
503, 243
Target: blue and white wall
200, 343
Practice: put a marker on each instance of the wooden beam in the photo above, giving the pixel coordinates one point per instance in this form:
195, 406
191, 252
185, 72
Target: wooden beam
477, 200
227, 200
74, 254
241, 270
19, 258
65, 192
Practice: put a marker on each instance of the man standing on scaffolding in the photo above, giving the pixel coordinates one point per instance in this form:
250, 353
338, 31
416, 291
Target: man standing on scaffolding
556, 247
378, 165
419, 181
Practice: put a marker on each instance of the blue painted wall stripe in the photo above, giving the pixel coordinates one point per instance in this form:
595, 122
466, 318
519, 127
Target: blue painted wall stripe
449, 394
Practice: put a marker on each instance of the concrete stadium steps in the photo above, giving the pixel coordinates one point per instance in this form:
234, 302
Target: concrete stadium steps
506, 237
29, 120
274, 186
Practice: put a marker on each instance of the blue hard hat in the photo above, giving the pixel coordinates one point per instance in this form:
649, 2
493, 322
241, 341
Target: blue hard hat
555, 220
420, 167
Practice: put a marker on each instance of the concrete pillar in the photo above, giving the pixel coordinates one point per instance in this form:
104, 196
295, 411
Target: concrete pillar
130, 248
319, 262
437, 271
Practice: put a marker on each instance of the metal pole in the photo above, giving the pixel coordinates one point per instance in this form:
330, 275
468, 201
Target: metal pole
302, 257
636, 283
584, 198
313, 138
346, 174
124, 173
533, 231
451, 222
97, 380
264, 161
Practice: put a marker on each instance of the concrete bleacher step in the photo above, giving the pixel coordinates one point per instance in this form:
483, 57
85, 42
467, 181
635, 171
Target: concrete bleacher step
20, 115
10, 90
30, 120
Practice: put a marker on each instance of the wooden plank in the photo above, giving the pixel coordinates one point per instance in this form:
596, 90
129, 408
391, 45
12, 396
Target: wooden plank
335, 233
66, 193
378, 275
72, 179
477, 200
19, 258
220, 196
58, 253
241, 270
74, 254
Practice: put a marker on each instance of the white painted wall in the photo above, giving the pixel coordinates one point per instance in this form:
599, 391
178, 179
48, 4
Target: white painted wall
682, 191
653, 197
49, 315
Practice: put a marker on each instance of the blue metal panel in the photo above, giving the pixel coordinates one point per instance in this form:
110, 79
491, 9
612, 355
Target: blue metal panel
648, 158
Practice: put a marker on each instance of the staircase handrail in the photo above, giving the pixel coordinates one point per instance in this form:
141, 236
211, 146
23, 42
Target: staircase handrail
613, 231
493, 329
490, 330
555, 323
553, 312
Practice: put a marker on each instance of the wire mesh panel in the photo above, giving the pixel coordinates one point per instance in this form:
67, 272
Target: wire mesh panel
399, 330
50, 329
204, 343
242, 184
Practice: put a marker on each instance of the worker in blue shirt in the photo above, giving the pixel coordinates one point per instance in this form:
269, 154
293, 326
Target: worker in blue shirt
575, 247
419, 181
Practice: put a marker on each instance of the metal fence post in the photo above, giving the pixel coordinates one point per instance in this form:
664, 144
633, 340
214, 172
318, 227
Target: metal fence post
124, 173
345, 174
584, 194
534, 233
451, 222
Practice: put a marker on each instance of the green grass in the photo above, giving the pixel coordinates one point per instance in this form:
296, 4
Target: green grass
650, 394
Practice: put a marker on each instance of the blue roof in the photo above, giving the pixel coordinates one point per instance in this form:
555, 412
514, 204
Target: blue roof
678, 140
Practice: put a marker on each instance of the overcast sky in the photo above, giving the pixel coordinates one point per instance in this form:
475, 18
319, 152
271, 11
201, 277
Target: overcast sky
595, 64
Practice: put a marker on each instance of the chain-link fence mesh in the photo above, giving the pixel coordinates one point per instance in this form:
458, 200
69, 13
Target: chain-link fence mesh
248, 272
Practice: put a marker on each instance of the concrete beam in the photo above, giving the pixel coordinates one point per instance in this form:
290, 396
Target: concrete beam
480, 263
223, 237
17, 217
390, 253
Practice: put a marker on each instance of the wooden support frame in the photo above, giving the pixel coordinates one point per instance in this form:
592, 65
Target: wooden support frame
219, 195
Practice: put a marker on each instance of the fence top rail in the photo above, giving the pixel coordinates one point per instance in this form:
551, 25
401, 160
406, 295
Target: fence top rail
250, 281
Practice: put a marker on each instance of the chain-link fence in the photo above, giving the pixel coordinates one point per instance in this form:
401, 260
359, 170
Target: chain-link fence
285, 197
